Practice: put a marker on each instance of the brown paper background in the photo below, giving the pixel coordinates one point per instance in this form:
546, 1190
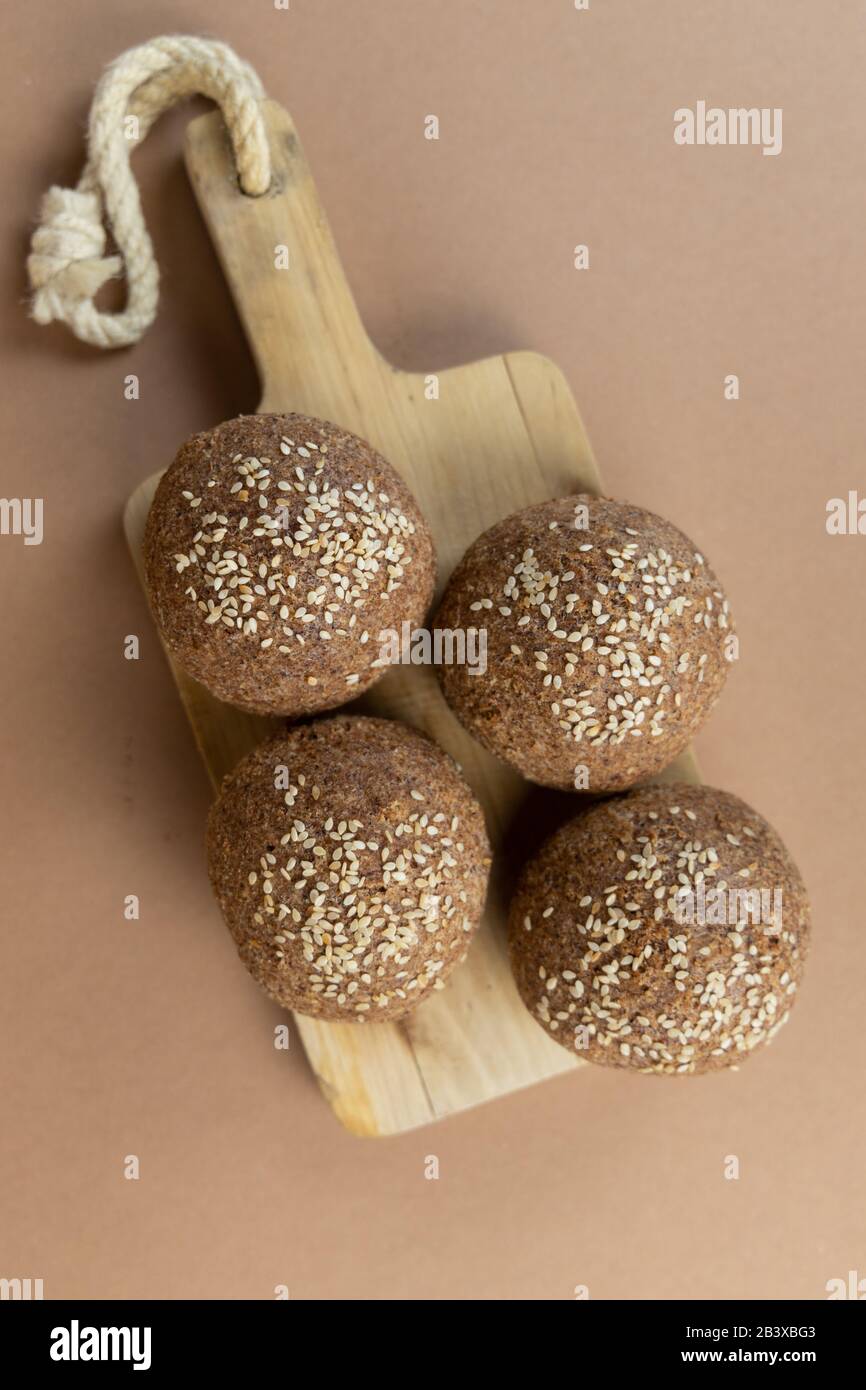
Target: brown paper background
148, 1038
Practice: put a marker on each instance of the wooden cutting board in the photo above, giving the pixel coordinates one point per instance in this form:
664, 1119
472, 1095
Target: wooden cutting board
474, 443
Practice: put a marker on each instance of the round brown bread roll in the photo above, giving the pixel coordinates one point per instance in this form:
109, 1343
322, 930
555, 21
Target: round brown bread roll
613, 963
606, 642
350, 861
276, 550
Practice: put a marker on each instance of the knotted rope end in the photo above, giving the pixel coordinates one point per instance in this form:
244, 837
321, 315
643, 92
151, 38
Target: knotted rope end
66, 265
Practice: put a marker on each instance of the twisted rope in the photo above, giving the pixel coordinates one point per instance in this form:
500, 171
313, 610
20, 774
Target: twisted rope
67, 264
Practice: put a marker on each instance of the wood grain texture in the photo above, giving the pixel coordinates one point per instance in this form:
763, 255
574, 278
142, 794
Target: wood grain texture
504, 433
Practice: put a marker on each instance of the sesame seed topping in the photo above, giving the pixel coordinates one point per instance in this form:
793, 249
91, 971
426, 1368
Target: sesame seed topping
718, 985
627, 622
349, 546
370, 916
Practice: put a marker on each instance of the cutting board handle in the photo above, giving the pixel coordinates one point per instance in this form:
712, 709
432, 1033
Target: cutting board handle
281, 263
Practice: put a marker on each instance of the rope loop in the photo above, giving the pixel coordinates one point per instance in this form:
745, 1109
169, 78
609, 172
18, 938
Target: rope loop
67, 264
